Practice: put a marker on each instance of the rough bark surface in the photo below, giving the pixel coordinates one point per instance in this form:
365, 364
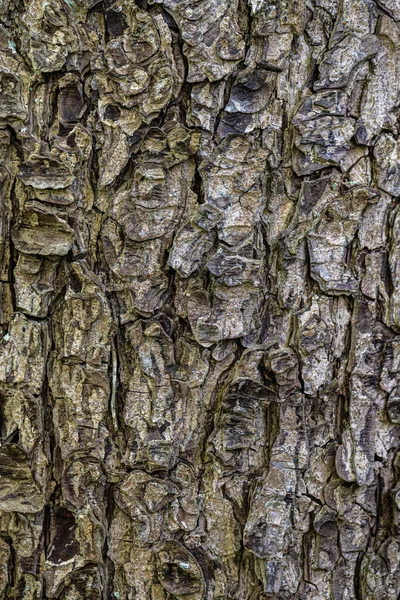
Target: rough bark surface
200, 299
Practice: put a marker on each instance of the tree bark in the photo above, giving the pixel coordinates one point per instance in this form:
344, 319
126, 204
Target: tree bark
200, 301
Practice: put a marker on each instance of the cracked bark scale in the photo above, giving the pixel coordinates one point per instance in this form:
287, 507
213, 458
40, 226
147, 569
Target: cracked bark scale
200, 299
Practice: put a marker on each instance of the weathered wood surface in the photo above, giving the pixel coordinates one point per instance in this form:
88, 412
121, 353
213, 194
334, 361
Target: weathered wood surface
200, 299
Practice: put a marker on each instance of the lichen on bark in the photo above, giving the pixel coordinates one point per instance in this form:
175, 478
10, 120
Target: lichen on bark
199, 299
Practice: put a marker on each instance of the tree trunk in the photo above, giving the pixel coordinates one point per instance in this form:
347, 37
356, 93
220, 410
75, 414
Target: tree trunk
200, 299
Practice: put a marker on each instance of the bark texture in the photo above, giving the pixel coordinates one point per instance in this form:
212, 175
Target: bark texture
200, 299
